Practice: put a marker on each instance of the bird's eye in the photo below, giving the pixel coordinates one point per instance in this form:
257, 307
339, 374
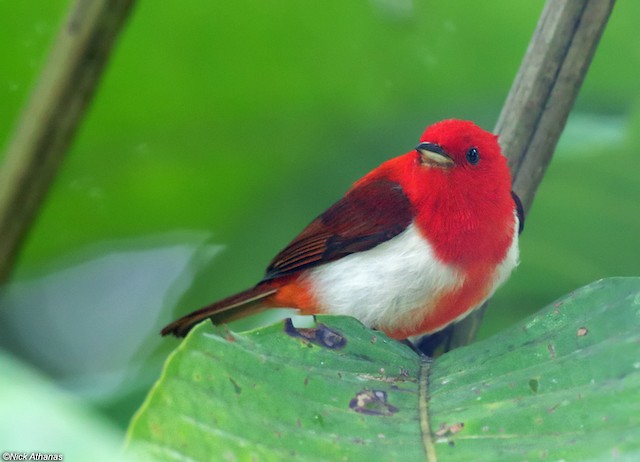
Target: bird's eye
473, 156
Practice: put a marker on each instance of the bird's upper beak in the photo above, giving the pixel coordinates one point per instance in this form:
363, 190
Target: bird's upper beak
434, 155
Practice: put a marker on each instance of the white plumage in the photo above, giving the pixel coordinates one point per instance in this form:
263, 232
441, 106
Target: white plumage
383, 285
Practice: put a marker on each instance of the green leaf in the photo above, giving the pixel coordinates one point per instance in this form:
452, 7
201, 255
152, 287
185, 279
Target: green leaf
563, 384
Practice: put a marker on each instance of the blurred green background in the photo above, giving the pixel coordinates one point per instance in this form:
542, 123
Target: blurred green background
222, 128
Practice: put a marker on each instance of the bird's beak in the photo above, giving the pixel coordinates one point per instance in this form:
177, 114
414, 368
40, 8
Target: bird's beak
434, 156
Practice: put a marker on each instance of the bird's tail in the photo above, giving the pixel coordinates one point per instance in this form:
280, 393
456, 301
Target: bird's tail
234, 307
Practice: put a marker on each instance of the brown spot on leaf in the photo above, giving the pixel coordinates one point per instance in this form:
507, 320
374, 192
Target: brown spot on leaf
372, 402
457, 427
552, 350
582, 331
447, 430
320, 335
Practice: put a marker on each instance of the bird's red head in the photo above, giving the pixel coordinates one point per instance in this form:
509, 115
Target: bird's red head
455, 159
465, 157
458, 175
460, 143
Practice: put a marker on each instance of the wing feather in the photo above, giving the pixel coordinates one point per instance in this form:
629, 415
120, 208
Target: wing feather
365, 217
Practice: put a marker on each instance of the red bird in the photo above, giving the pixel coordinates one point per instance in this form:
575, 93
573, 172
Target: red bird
412, 247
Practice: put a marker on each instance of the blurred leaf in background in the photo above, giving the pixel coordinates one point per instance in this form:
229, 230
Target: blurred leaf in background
39, 419
221, 129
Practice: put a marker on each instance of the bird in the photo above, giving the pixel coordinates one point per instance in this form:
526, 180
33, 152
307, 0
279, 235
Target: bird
415, 245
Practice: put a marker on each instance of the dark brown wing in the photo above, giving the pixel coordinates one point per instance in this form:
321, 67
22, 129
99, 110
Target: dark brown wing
365, 217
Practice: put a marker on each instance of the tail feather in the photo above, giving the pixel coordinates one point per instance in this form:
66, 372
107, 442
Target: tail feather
226, 310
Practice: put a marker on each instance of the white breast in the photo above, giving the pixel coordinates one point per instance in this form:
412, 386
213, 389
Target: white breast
383, 285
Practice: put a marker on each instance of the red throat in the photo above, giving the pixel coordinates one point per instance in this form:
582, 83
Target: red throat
466, 222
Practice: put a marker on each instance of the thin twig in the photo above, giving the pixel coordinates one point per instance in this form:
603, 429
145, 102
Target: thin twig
52, 116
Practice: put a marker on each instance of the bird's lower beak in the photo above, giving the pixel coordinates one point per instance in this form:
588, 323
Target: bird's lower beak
434, 156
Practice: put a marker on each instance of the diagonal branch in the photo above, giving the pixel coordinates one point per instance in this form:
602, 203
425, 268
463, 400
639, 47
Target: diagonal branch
540, 100
52, 116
